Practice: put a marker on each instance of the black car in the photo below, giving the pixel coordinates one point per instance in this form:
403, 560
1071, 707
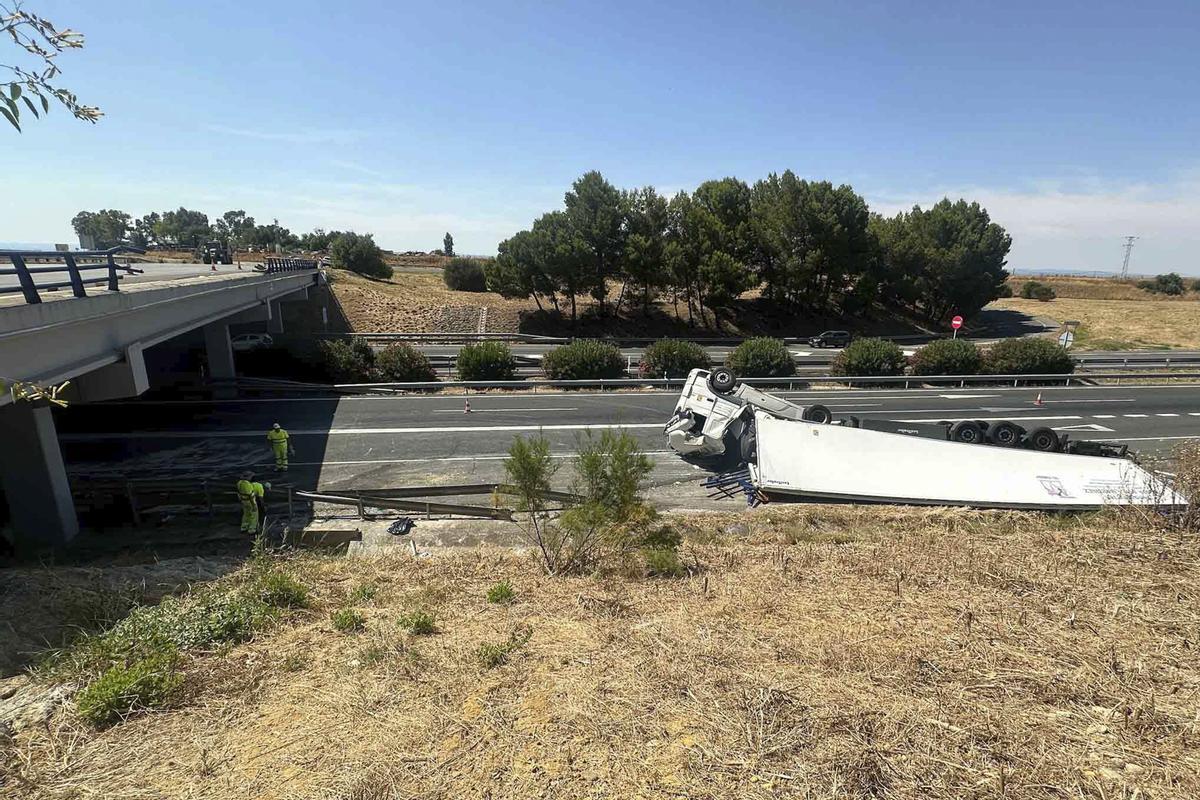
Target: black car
830, 339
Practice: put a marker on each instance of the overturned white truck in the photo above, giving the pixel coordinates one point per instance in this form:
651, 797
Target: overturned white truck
772, 449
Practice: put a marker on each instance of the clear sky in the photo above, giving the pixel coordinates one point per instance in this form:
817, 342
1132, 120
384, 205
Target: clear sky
1073, 123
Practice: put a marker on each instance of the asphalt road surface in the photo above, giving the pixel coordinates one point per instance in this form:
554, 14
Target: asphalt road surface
151, 272
375, 442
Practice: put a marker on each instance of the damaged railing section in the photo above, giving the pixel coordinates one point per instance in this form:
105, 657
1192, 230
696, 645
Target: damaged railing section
27, 265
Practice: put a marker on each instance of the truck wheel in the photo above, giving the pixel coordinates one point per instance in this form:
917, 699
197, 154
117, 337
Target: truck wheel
1043, 440
1005, 434
818, 414
967, 432
722, 380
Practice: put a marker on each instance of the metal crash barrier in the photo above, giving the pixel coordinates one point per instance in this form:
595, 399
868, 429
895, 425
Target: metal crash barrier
27, 265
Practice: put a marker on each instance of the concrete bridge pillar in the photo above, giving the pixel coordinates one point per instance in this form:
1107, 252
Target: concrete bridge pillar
34, 478
275, 317
219, 351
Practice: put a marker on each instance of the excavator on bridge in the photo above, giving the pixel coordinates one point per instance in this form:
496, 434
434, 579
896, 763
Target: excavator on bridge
772, 449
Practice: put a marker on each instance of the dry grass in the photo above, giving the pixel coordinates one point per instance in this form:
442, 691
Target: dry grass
1079, 288
831, 652
1120, 324
410, 302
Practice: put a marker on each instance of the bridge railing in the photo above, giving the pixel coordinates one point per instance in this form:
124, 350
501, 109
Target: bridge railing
290, 264
58, 263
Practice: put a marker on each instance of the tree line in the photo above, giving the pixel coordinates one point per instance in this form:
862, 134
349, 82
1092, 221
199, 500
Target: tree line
811, 247
185, 228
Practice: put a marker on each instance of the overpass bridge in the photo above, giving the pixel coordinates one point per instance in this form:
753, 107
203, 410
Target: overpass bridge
96, 339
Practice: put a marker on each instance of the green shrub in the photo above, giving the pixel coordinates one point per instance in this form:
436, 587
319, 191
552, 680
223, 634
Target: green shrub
418, 623
348, 361
348, 620
948, 357
1033, 290
762, 358
464, 275
123, 689
1170, 283
869, 357
364, 593
359, 253
495, 655
403, 363
660, 549
1196, 285
486, 361
501, 592
280, 590
1028, 356
584, 359
673, 358
1005, 290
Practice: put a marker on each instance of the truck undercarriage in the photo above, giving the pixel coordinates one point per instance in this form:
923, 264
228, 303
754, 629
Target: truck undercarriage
772, 449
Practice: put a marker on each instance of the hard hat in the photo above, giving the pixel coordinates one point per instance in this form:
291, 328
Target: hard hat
275, 426
266, 485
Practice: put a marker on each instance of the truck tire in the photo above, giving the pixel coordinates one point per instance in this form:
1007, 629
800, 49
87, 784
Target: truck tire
1005, 434
722, 380
967, 432
1044, 440
748, 447
818, 414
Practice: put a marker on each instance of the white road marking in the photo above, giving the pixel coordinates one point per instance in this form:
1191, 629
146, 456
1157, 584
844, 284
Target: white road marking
493, 410
500, 457
1105, 416
1194, 413
987, 419
1085, 427
1149, 439
965, 396
1138, 416
1166, 415
97, 437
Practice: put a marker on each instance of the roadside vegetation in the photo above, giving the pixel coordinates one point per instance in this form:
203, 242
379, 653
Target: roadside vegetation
584, 359
866, 652
1150, 321
464, 275
486, 361
807, 246
673, 358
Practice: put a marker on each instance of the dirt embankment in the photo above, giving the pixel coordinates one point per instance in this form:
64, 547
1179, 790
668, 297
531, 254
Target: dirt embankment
814, 652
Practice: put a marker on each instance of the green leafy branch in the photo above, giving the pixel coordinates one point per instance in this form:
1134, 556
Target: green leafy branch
28, 391
40, 39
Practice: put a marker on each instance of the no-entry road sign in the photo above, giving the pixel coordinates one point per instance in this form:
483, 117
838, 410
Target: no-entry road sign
956, 323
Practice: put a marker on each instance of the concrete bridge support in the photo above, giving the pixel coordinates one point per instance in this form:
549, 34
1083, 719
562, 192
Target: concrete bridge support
35, 479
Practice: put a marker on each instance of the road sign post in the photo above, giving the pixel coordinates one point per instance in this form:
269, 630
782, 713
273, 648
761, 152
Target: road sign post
956, 323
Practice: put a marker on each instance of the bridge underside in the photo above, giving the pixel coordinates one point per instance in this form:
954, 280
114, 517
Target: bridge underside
98, 343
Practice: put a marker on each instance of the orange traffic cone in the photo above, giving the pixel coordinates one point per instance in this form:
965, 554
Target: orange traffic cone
467, 407
1038, 400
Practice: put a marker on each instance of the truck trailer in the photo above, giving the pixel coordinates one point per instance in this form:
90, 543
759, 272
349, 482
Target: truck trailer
775, 450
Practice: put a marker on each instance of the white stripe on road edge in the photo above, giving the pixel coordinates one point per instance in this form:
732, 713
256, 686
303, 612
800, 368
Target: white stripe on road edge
264, 465
1148, 439
491, 410
986, 419
1138, 416
96, 437
1166, 415
1105, 416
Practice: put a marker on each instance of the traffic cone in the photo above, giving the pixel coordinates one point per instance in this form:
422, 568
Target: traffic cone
1038, 400
467, 407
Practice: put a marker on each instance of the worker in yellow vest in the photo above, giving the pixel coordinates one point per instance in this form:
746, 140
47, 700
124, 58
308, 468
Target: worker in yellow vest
251, 494
281, 444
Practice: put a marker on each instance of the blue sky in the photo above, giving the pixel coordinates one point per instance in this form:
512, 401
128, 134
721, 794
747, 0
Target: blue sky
1073, 123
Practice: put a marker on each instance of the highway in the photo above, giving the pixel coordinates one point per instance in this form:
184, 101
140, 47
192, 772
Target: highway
369, 442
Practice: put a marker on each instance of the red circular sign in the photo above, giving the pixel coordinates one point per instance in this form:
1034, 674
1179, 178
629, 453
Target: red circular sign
956, 323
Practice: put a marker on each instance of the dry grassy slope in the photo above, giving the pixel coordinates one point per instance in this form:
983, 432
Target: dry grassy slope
831, 652
1079, 288
419, 301
1120, 324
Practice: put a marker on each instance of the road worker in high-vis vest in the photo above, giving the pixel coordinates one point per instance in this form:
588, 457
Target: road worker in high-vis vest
251, 495
281, 444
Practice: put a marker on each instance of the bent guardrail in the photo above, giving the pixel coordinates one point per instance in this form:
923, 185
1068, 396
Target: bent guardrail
29, 286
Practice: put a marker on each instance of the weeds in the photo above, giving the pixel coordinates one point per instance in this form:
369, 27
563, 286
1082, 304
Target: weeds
348, 620
494, 655
280, 590
121, 690
364, 593
418, 623
501, 592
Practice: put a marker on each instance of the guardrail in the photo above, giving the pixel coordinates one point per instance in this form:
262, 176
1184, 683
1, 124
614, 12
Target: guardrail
275, 265
533, 338
802, 382
29, 285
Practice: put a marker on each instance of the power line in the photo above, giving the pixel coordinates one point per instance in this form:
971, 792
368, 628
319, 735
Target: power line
1129, 240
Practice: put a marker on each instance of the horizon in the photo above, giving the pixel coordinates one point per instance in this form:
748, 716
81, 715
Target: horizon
432, 125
